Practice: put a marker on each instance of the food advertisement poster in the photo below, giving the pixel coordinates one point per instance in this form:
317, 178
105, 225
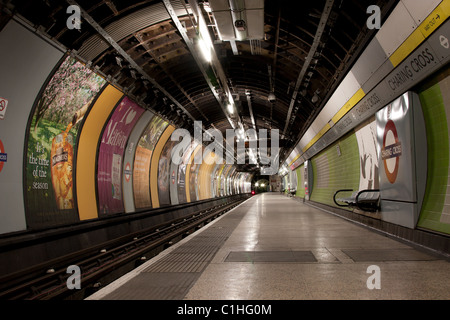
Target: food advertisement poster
142, 160
51, 148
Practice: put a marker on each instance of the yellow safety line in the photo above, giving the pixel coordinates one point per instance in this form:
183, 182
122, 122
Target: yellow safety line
349, 105
295, 159
342, 112
436, 18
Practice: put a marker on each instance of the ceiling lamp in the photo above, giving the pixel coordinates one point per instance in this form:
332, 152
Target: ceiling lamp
238, 20
204, 41
240, 25
272, 97
205, 49
230, 108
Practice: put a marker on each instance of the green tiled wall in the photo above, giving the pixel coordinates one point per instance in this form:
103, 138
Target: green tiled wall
434, 213
300, 182
286, 183
343, 170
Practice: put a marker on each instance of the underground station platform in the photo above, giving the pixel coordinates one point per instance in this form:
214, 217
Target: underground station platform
272, 247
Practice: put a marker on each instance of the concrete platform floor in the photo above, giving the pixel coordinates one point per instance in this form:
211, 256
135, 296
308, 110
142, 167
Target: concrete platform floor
284, 249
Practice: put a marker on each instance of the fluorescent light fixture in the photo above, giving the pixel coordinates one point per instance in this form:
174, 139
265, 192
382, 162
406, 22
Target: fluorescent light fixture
205, 49
204, 41
203, 29
207, 7
230, 98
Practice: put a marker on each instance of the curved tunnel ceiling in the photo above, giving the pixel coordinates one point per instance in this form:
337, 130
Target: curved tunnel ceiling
300, 65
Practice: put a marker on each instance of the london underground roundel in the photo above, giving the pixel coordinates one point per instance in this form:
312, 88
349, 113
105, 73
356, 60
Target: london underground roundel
391, 151
127, 172
3, 155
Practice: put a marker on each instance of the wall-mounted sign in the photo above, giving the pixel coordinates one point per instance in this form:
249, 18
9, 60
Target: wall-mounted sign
3, 155
3, 106
391, 151
127, 172
401, 152
422, 62
444, 42
396, 161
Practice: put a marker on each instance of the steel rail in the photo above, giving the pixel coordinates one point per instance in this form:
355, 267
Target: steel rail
97, 262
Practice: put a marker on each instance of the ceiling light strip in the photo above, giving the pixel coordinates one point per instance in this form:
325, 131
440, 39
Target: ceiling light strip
191, 48
217, 66
312, 51
125, 55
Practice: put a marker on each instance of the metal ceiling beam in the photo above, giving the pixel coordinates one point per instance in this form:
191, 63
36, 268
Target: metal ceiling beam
196, 57
125, 55
199, 62
312, 51
111, 6
341, 71
144, 44
250, 108
234, 47
275, 54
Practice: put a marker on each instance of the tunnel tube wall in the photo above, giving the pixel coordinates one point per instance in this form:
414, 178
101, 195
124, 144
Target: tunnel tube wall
64, 186
26, 71
354, 161
435, 100
51, 143
408, 54
78, 148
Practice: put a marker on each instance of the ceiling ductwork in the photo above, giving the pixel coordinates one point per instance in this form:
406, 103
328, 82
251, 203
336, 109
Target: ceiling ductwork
239, 20
153, 45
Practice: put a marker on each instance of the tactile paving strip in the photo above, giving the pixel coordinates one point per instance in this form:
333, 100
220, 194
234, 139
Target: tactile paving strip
155, 286
172, 276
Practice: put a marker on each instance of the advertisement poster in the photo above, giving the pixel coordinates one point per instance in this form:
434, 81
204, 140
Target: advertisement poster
366, 136
52, 136
128, 160
182, 198
215, 184
142, 159
111, 151
193, 181
164, 174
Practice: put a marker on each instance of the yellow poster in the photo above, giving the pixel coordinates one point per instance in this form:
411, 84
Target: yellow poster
87, 152
141, 174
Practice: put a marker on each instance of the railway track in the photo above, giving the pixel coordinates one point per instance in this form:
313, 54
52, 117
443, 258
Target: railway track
102, 264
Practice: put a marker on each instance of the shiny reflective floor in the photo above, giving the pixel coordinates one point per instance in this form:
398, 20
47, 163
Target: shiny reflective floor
275, 247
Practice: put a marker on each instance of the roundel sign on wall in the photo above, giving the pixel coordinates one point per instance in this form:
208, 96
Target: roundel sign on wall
3, 155
391, 151
127, 172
